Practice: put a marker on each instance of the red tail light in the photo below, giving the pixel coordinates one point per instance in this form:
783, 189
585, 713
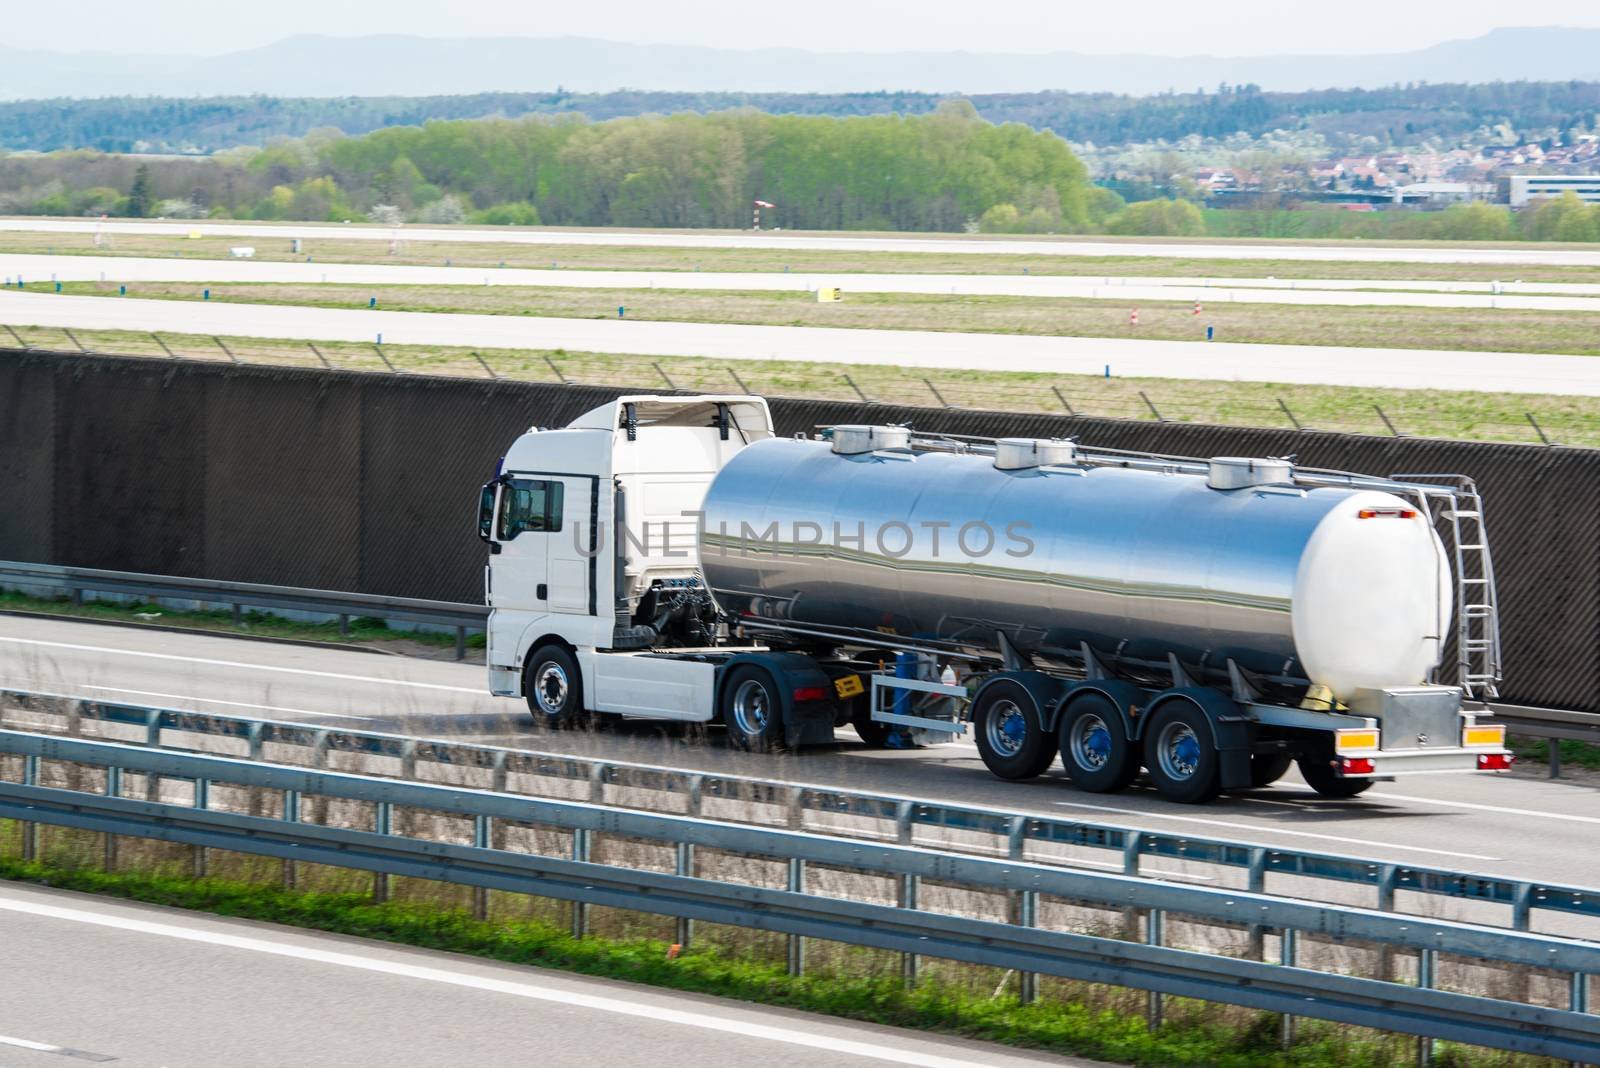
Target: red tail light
1386, 513
810, 693
1357, 766
1495, 761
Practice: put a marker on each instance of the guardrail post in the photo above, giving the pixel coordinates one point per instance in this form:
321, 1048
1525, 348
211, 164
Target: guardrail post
910, 963
1258, 885
580, 909
1286, 957
794, 809
481, 836
113, 789
461, 643
797, 944
30, 829
1427, 964
1388, 879
202, 800
1130, 866
1154, 1002
684, 865
597, 783
1555, 758
1580, 1000
497, 772
1028, 916
291, 814
382, 823
694, 797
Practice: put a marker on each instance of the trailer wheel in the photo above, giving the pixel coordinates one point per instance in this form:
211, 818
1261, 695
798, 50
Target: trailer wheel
752, 710
872, 732
1268, 768
1181, 754
1319, 775
1010, 733
1095, 750
554, 688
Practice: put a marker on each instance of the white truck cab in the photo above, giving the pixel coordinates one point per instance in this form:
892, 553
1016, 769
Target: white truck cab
593, 561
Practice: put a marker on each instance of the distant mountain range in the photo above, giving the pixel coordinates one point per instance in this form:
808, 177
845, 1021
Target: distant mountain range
314, 66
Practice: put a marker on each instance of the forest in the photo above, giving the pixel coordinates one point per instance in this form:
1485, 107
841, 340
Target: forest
1397, 116
948, 170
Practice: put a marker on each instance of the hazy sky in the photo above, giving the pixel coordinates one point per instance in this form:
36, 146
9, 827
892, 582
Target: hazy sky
1170, 27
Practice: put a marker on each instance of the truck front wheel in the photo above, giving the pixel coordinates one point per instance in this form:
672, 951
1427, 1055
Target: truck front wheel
554, 688
1009, 730
1181, 754
752, 710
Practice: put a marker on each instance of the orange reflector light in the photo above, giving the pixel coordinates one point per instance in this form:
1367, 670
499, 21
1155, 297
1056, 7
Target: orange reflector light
1495, 761
1362, 766
1387, 513
1495, 735
810, 693
1347, 740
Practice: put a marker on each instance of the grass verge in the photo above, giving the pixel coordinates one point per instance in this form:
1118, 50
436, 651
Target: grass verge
1359, 326
1053, 1025
362, 630
1569, 420
1574, 754
844, 261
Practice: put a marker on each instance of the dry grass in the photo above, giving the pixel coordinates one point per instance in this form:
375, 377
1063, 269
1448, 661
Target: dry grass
645, 258
1426, 413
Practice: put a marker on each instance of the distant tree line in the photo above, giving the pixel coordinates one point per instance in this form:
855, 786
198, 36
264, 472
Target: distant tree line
1397, 115
943, 171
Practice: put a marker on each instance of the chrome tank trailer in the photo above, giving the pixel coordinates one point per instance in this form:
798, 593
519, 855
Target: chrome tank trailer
1031, 543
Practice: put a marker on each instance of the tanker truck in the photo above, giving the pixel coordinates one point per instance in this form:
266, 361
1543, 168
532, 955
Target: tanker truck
1204, 621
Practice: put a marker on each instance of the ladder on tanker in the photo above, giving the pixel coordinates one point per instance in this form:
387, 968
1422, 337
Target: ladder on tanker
1478, 609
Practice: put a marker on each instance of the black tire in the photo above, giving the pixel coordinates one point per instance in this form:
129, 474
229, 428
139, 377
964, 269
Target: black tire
1318, 773
1268, 768
1009, 729
553, 686
752, 710
1180, 753
1095, 749
872, 732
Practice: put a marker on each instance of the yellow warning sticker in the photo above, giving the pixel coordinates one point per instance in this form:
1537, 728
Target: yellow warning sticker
848, 686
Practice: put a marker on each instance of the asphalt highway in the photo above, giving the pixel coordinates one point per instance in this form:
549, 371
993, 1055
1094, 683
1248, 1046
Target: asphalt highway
1502, 825
1327, 365
102, 981
1535, 296
941, 244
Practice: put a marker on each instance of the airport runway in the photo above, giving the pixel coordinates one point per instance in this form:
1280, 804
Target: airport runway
940, 244
1127, 358
44, 269
1509, 826
143, 986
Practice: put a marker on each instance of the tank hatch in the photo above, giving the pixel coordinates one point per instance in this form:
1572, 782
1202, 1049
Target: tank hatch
1237, 472
858, 439
1017, 454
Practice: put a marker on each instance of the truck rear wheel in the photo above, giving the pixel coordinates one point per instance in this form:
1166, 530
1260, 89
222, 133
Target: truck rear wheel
1180, 752
1268, 768
752, 710
1319, 775
1095, 750
554, 688
1009, 729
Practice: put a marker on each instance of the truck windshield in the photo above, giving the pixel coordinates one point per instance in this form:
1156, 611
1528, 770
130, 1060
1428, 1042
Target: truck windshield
529, 505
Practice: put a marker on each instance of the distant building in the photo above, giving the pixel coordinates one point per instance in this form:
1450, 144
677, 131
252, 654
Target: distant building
1441, 192
1526, 187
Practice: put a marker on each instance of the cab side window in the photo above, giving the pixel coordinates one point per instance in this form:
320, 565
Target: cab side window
529, 505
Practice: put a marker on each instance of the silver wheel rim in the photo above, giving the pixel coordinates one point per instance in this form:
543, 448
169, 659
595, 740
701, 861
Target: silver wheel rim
1006, 728
550, 688
1178, 750
1090, 742
750, 707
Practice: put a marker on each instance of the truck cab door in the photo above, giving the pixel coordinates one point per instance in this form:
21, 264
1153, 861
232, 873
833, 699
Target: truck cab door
573, 546
519, 538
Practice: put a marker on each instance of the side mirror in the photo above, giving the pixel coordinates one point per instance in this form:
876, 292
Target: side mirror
486, 501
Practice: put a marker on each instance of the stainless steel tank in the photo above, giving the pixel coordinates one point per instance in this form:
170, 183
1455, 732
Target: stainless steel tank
1342, 587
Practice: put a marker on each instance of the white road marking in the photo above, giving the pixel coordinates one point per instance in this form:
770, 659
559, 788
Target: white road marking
220, 701
1489, 808
619, 1005
42, 1047
1259, 829
247, 666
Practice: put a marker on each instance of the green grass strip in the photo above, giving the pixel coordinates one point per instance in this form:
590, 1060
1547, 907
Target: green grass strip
1054, 1025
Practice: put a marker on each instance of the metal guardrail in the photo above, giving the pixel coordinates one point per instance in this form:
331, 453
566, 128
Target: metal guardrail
75, 581
801, 912
898, 818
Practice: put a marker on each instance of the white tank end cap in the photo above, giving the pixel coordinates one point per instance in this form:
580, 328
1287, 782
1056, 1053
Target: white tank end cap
858, 439
1237, 472
1017, 454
